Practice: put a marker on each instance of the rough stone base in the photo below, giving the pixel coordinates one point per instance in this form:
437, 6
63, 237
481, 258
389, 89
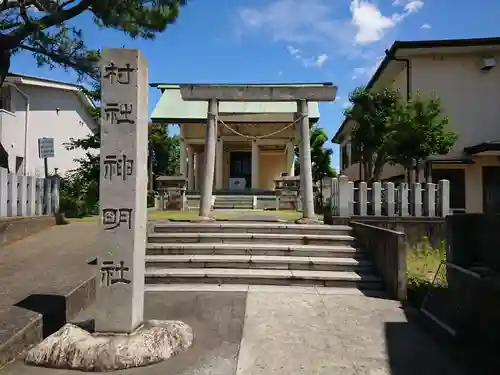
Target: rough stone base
75, 348
307, 221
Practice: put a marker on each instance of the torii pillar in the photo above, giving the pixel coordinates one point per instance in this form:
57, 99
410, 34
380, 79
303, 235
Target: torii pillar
245, 93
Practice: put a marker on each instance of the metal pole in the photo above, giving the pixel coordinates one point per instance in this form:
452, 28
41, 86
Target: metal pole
305, 163
210, 146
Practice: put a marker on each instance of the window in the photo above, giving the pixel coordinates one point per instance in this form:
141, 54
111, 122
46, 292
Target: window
345, 157
457, 185
5, 99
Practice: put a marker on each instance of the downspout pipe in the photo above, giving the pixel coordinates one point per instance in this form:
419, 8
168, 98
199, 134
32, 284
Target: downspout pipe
26, 122
408, 72
428, 165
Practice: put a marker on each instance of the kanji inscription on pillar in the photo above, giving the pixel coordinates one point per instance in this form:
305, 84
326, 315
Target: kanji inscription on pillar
123, 183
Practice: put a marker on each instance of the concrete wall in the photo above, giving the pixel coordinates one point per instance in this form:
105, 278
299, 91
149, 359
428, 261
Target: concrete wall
387, 249
473, 275
469, 96
54, 113
272, 164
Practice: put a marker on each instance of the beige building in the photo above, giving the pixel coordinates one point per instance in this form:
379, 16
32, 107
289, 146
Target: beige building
465, 75
255, 140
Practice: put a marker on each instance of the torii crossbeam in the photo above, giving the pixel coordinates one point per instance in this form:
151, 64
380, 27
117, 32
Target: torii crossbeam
245, 93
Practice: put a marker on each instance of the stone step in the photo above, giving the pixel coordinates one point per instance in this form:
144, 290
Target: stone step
231, 206
249, 227
281, 289
258, 261
224, 237
261, 277
234, 199
269, 249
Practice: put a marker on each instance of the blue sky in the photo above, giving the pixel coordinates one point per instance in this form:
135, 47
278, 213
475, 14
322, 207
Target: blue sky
339, 41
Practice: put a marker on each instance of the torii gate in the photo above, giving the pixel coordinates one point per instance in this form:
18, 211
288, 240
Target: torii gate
244, 93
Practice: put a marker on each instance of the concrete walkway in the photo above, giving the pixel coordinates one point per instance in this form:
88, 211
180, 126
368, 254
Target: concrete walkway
47, 262
45, 272
268, 331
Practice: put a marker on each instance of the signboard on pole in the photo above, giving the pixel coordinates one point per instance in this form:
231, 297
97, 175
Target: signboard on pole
45, 148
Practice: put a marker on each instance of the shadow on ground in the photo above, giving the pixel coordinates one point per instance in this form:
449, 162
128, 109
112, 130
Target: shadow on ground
402, 342
217, 322
52, 307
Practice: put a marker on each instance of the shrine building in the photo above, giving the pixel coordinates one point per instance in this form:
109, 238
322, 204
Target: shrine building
255, 140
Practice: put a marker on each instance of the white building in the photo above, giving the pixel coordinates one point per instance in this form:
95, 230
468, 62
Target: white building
33, 108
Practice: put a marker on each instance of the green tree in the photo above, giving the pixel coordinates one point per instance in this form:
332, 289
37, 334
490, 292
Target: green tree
45, 28
419, 130
321, 156
164, 151
371, 112
80, 188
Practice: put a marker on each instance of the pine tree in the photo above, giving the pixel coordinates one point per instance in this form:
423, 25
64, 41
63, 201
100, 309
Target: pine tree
44, 28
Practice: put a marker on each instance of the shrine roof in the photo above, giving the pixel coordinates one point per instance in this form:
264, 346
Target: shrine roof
171, 108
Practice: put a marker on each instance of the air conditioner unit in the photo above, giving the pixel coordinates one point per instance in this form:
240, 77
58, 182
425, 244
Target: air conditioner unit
487, 63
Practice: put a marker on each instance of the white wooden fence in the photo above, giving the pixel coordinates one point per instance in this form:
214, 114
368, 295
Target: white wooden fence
27, 195
385, 199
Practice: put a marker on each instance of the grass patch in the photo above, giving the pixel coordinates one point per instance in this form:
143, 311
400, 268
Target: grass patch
188, 215
422, 263
422, 266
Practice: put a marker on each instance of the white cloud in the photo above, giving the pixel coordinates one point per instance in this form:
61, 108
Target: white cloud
318, 25
367, 71
414, 6
308, 62
316, 62
426, 26
371, 24
295, 21
337, 100
293, 51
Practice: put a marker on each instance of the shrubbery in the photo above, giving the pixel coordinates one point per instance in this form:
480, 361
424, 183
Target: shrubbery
78, 198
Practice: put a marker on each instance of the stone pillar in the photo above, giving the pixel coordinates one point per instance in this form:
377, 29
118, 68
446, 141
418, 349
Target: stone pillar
12, 195
182, 158
31, 210
209, 167
305, 164
123, 188
190, 168
290, 165
301, 175
4, 185
219, 164
255, 164
197, 176
39, 196
22, 182
47, 196
444, 198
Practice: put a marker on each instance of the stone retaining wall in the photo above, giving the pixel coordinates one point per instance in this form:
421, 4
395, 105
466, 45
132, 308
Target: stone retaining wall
15, 228
473, 275
387, 249
414, 228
